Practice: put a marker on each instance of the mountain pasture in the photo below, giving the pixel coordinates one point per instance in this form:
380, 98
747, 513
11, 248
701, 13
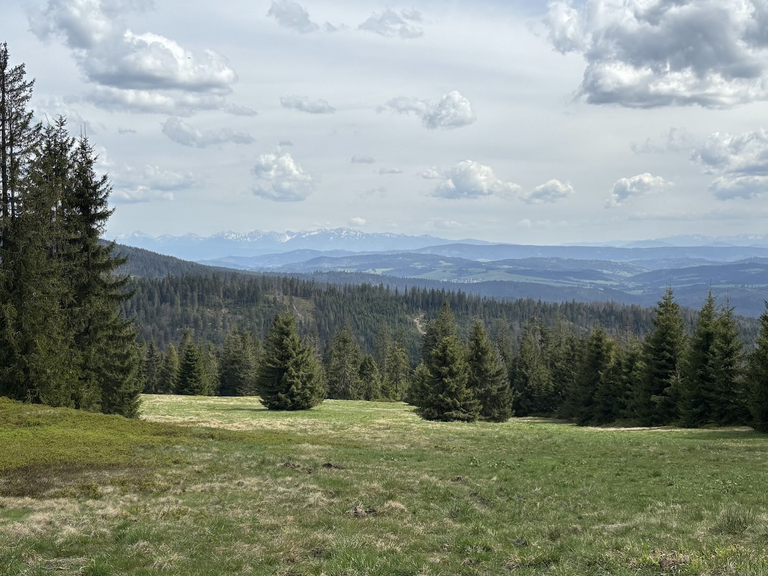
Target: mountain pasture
207, 485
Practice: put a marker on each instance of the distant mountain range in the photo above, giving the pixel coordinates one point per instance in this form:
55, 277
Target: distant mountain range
635, 274
257, 243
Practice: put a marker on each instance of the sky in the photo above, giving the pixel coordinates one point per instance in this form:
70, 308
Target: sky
503, 120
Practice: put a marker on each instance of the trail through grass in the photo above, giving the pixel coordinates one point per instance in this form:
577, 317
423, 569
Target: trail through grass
222, 486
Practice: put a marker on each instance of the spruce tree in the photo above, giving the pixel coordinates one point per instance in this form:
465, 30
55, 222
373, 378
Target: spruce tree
531, 378
594, 381
442, 326
656, 399
698, 374
191, 380
729, 398
342, 372
153, 363
370, 379
237, 367
487, 378
757, 376
448, 396
397, 375
289, 376
169, 373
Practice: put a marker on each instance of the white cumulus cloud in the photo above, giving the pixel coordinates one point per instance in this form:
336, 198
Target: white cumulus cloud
640, 185
357, 221
739, 162
304, 104
281, 179
472, 180
186, 135
392, 170
649, 53
452, 111
392, 24
117, 59
289, 14
548, 193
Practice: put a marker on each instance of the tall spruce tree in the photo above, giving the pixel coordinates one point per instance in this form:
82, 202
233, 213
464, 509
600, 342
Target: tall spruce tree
442, 326
448, 396
153, 364
757, 377
656, 399
594, 381
397, 375
169, 373
729, 397
370, 378
237, 367
289, 376
191, 380
698, 374
530, 374
342, 371
487, 378
106, 341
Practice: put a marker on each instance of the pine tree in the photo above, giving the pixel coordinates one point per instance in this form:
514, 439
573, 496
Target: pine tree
289, 376
419, 390
210, 369
594, 381
487, 378
448, 397
656, 399
757, 375
343, 367
169, 373
531, 379
397, 376
238, 364
153, 363
370, 379
698, 377
191, 380
441, 327
729, 399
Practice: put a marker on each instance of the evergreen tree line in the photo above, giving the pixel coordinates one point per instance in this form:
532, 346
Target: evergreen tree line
670, 377
63, 338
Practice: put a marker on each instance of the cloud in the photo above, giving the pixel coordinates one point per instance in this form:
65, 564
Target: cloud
293, 15
392, 24
650, 53
357, 221
744, 154
156, 102
432, 173
548, 193
675, 140
472, 180
452, 111
285, 143
138, 195
182, 133
640, 185
304, 104
124, 131
151, 183
746, 187
115, 58
383, 171
740, 162
363, 159
281, 179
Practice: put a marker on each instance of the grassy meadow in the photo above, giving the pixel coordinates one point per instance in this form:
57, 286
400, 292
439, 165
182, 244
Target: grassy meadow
222, 486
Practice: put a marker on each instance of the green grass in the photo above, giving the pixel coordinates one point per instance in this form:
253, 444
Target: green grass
222, 486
